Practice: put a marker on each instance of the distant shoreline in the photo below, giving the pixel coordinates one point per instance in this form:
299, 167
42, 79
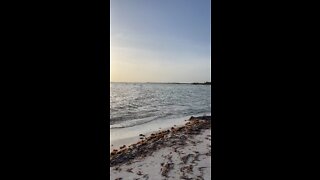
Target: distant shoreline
205, 83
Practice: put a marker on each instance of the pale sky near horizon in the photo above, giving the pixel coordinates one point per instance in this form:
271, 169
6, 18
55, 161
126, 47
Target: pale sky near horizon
160, 40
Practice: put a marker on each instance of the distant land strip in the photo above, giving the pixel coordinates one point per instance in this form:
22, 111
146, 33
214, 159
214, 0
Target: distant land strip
205, 83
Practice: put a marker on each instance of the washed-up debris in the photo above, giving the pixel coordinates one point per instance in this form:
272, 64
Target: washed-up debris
187, 169
166, 168
166, 138
185, 158
117, 169
130, 170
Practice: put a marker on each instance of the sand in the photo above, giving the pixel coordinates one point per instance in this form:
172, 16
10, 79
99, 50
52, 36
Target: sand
183, 152
130, 135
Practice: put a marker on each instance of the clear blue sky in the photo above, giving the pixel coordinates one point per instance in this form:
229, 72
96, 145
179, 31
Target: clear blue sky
160, 40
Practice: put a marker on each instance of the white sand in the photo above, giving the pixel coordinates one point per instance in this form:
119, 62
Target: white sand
198, 165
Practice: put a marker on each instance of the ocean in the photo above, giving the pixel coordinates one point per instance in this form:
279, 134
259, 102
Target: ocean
133, 104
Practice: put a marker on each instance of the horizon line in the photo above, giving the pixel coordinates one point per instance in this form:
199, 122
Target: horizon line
160, 82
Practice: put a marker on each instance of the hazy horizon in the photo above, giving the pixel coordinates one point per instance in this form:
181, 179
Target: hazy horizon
154, 82
167, 41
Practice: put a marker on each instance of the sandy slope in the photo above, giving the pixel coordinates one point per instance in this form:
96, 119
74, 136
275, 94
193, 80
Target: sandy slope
190, 160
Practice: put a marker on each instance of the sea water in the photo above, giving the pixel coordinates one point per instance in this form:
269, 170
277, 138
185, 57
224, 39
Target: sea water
134, 104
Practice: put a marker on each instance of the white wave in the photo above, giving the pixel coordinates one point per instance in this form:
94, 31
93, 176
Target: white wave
132, 123
136, 122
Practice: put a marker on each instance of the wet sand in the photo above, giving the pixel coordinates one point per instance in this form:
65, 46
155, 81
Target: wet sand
181, 152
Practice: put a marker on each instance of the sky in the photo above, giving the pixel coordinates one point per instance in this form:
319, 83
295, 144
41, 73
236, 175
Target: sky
160, 40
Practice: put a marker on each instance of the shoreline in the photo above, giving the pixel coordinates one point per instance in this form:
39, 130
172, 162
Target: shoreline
130, 135
180, 152
190, 83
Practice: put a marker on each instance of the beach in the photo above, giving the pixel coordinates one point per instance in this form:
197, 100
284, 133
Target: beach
178, 150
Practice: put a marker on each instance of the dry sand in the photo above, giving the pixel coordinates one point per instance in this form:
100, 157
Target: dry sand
183, 152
